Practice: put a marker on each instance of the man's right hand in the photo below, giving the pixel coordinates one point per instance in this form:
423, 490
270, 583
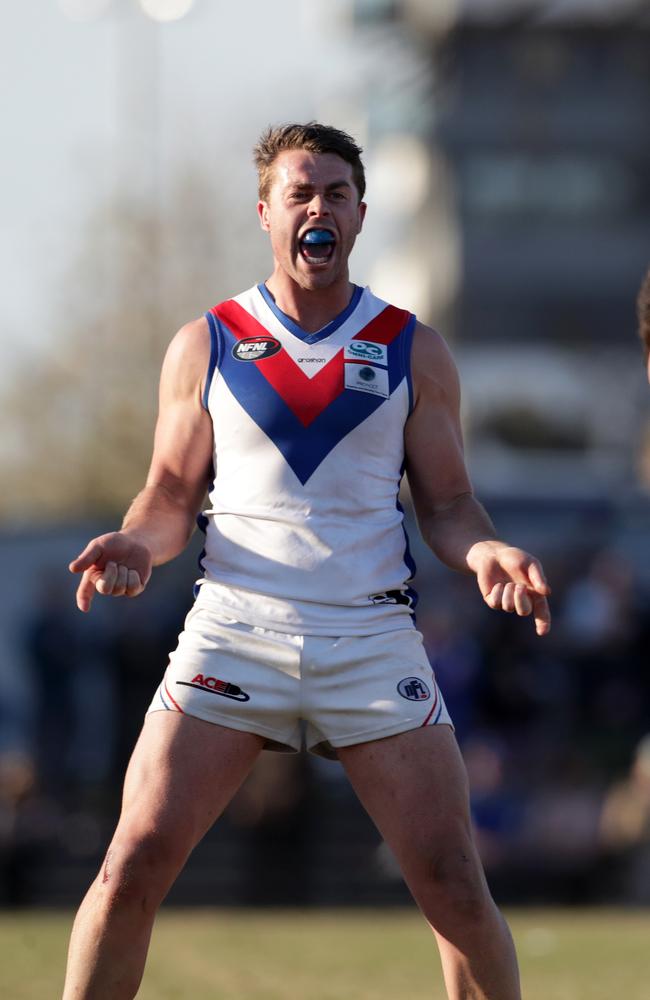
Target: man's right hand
113, 564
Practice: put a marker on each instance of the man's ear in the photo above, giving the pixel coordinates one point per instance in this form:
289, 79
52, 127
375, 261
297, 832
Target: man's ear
362, 214
263, 212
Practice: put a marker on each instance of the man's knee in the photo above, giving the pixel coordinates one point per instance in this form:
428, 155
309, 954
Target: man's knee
139, 868
448, 882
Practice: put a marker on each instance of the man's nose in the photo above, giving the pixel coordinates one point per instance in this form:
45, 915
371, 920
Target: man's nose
318, 205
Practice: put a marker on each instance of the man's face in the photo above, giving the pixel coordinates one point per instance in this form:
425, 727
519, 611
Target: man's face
312, 191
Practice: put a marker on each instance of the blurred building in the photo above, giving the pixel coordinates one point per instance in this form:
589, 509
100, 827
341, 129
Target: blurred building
530, 239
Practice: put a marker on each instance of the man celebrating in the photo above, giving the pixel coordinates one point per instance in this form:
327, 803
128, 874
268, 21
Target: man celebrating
307, 397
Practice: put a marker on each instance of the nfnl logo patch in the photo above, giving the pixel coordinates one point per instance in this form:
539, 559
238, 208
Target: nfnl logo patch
413, 689
215, 686
256, 348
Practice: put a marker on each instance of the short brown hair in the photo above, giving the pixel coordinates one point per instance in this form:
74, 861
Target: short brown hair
643, 313
313, 137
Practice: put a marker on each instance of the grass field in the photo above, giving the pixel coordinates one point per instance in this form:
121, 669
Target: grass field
338, 955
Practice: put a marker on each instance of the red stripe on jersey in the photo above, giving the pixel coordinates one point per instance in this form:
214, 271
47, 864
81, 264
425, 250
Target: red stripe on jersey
384, 328
306, 397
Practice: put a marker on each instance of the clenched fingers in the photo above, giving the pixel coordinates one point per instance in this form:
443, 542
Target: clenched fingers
522, 602
117, 580
134, 585
517, 598
106, 578
514, 598
495, 596
112, 581
509, 597
119, 587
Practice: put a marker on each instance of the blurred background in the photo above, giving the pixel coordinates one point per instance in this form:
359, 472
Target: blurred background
507, 145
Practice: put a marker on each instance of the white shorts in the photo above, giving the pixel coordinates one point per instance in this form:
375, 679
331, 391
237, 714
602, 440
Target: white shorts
334, 692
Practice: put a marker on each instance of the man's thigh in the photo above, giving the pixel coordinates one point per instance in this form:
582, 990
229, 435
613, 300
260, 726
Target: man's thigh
414, 786
182, 775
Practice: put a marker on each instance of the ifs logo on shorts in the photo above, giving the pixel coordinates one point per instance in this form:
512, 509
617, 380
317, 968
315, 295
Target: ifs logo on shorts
413, 689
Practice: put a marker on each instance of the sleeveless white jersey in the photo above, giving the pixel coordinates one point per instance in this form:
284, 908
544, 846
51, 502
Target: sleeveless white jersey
304, 530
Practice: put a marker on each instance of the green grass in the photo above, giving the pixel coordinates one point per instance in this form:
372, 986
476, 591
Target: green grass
339, 955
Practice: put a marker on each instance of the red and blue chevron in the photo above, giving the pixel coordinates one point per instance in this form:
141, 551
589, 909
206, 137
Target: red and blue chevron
305, 417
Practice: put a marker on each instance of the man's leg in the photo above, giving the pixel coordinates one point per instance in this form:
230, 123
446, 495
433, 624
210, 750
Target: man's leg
414, 786
182, 775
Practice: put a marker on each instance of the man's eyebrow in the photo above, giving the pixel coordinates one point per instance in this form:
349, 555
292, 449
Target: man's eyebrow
308, 186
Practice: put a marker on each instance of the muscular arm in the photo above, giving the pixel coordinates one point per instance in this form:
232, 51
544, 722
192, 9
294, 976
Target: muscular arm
452, 521
160, 520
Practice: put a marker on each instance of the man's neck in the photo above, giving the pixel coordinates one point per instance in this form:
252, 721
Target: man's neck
310, 308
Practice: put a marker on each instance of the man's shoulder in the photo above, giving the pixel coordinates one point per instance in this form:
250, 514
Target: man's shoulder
193, 335
430, 347
190, 347
432, 363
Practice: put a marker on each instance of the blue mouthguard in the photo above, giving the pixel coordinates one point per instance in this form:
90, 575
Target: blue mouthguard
318, 236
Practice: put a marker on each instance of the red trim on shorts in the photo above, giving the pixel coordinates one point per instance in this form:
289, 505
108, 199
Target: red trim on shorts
175, 703
433, 707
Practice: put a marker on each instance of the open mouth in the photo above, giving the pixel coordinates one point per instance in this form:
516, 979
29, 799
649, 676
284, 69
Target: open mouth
317, 246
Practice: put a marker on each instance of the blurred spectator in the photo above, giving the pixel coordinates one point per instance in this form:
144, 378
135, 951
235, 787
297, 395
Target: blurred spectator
601, 623
73, 709
17, 778
51, 647
598, 607
625, 827
497, 801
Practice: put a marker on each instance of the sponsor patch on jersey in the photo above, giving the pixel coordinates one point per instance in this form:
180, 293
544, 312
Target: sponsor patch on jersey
413, 689
366, 378
366, 350
256, 348
212, 684
391, 597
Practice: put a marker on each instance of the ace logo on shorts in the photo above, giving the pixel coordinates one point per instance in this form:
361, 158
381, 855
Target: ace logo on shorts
212, 684
256, 348
413, 689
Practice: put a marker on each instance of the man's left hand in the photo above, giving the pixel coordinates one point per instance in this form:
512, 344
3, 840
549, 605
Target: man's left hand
511, 580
